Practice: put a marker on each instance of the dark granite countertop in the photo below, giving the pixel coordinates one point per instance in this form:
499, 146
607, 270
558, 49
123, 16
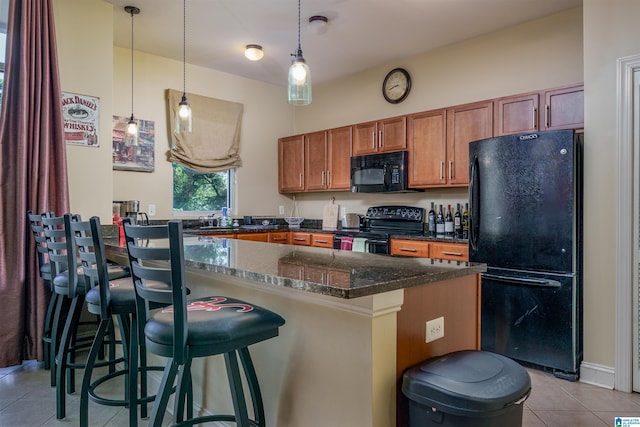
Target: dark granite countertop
341, 274
221, 231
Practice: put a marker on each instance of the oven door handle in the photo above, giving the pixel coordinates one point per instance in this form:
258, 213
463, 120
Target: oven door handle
544, 283
374, 241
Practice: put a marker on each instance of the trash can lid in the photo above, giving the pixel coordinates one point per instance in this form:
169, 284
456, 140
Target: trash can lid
467, 383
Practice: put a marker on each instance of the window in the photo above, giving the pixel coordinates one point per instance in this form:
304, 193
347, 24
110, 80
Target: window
197, 192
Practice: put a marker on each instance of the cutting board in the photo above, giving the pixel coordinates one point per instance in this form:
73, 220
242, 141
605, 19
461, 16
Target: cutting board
330, 216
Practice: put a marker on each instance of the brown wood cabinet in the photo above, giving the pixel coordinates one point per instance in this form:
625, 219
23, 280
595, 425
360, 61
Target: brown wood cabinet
327, 163
380, 136
465, 123
300, 238
427, 148
291, 164
426, 249
256, 237
322, 240
563, 108
412, 248
516, 114
279, 237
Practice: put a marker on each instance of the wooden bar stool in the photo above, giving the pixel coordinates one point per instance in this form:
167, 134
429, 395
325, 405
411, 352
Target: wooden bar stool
197, 328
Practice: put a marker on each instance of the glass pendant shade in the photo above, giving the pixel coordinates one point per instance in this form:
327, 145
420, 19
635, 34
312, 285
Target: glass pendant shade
131, 132
299, 81
184, 118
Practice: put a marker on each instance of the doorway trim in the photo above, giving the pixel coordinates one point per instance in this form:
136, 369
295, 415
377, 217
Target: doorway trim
624, 256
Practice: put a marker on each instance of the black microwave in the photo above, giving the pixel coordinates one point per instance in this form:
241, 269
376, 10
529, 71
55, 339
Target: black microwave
380, 173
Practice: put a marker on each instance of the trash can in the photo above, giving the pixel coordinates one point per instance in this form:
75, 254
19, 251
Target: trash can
466, 388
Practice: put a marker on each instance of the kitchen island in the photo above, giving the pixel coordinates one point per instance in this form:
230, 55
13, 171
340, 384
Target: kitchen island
355, 322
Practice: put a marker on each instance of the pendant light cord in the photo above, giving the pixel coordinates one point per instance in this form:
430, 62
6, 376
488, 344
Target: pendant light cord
184, 47
132, 12
299, 45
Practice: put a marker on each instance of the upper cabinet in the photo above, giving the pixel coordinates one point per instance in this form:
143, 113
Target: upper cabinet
380, 136
427, 148
291, 164
465, 123
316, 161
563, 108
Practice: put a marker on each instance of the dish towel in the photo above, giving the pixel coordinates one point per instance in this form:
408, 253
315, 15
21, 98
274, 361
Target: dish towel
358, 244
346, 243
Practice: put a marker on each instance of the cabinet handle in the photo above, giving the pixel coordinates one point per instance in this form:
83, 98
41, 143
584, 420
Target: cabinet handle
451, 170
300, 180
408, 249
277, 239
299, 239
373, 139
441, 171
323, 178
547, 114
535, 118
322, 241
380, 139
328, 178
452, 253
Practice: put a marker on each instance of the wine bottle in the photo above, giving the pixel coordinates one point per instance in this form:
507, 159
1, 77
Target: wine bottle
431, 224
465, 222
440, 222
448, 221
457, 222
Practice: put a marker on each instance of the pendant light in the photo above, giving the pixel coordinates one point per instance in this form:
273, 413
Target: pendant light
131, 131
184, 118
299, 75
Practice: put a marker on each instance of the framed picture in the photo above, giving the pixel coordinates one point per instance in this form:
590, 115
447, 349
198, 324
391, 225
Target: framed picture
138, 158
81, 114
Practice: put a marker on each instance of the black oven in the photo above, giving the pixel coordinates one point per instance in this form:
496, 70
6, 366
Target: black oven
380, 173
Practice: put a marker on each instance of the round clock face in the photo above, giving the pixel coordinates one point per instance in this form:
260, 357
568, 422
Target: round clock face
396, 85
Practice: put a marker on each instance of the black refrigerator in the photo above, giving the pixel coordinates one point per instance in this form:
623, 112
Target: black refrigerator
525, 196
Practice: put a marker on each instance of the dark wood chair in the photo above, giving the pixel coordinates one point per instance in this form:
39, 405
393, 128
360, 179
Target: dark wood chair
197, 328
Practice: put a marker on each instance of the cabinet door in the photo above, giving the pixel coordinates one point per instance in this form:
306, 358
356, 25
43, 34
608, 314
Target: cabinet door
564, 108
465, 123
339, 159
279, 237
427, 148
413, 248
322, 240
392, 134
300, 238
450, 251
365, 138
516, 114
315, 165
291, 164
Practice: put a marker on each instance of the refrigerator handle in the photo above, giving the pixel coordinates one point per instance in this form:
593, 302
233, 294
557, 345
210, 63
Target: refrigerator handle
544, 283
474, 217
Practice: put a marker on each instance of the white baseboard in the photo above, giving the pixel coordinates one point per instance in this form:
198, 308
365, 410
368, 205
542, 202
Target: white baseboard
599, 375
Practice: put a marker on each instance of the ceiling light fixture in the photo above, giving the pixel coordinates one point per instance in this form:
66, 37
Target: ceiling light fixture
318, 24
299, 75
131, 131
184, 117
254, 52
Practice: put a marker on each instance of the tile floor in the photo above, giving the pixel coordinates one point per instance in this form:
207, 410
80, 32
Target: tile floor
26, 399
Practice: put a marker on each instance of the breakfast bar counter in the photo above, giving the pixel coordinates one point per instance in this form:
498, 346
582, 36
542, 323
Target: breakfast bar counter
355, 322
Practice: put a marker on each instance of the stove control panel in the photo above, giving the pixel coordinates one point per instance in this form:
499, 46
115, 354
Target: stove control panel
399, 213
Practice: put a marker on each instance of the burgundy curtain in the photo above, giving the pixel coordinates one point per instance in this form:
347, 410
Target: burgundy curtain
33, 172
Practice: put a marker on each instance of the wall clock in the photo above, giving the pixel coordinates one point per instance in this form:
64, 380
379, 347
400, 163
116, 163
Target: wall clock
396, 85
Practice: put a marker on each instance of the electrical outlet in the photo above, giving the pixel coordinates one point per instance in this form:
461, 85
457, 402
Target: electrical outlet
281, 210
435, 329
151, 211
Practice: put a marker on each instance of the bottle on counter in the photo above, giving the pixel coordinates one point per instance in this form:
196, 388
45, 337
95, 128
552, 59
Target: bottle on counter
431, 220
457, 222
448, 221
465, 222
440, 222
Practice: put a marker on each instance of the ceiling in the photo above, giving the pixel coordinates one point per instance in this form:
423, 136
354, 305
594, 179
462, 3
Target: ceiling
360, 34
